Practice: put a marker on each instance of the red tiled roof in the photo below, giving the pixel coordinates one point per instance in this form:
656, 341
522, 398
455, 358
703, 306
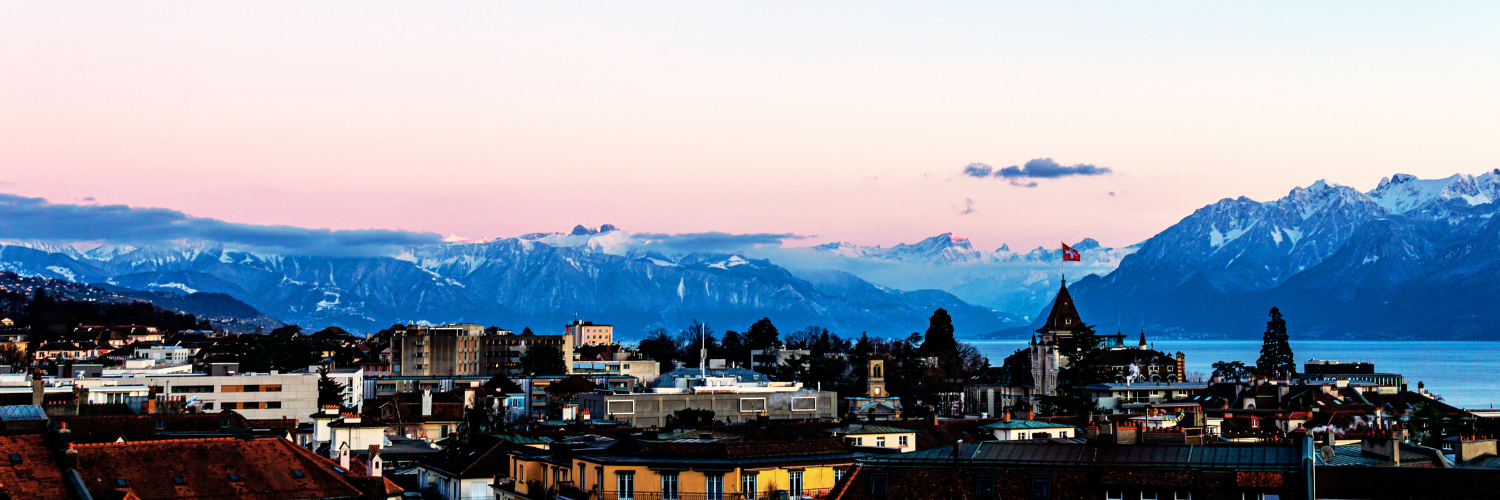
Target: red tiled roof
106, 429
37, 476
264, 466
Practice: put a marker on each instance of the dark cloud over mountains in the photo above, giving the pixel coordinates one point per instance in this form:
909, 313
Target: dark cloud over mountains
36, 218
1040, 168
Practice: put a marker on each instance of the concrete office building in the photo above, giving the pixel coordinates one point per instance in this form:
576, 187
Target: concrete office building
254, 395
467, 350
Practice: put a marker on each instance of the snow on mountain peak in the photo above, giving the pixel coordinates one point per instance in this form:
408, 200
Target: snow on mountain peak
1404, 193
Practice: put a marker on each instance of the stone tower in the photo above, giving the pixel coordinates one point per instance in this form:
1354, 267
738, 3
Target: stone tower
875, 386
1062, 323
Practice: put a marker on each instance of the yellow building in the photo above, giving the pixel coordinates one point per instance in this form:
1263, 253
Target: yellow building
698, 470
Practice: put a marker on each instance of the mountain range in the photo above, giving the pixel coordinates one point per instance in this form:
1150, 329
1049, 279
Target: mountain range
1411, 258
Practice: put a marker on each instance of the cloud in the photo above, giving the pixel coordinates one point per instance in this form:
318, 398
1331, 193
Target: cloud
715, 241
1045, 168
87, 199
968, 207
1040, 168
36, 218
979, 170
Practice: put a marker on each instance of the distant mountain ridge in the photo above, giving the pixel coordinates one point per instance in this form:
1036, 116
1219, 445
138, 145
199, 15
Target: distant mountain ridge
1411, 258
538, 280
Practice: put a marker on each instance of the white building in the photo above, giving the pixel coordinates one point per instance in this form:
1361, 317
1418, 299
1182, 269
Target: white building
171, 355
254, 395
1008, 430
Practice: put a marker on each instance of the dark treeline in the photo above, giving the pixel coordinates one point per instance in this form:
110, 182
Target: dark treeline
924, 370
52, 318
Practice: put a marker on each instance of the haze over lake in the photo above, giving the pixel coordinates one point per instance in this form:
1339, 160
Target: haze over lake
1462, 373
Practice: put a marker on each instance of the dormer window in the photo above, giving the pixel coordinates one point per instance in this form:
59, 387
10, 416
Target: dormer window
15, 459
177, 480
121, 483
235, 478
298, 474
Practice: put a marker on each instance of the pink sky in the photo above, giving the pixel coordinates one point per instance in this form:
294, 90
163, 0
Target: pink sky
847, 121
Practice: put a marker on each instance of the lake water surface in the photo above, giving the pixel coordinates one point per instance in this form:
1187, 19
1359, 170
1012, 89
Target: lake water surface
1465, 374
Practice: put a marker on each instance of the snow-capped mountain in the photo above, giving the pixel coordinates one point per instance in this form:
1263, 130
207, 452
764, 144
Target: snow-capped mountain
535, 280
1003, 280
1325, 252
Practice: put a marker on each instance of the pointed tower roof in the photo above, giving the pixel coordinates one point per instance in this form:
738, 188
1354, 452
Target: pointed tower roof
1064, 316
1143, 339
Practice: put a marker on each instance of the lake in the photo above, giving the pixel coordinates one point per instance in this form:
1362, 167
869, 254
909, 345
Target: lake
1463, 373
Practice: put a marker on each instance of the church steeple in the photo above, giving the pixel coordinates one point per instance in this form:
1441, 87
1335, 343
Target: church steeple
1143, 339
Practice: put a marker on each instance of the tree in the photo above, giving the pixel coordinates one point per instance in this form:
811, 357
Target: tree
330, 391
660, 346
1081, 351
543, 359
733, 347
263, 353
762, 335
1230, 371
1429, 423
1275, 351
526, 331
940, 342
690, 418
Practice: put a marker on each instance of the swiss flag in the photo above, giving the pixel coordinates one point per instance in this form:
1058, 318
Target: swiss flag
1070, 254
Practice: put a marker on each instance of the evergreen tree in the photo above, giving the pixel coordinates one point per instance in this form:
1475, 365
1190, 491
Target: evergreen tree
734, 347
526, 331
940, 342
660, 346
762, 335
1276, 351
330, 391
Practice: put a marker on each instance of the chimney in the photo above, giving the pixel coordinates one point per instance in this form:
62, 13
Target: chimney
1007, 416
469, 398
344, 456
427, 402
1030, 415
68, 459
37, 388
64, 435
376, 464
958, 447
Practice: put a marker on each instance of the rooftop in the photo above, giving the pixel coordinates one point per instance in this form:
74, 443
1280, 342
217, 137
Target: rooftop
1023, 424
995, 453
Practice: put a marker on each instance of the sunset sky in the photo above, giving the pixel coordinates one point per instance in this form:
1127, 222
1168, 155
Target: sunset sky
839, 121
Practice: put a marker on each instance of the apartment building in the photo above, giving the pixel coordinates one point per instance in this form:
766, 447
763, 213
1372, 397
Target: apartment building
587, 333
466, 350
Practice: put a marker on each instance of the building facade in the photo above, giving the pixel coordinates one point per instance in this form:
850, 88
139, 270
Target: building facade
587, 333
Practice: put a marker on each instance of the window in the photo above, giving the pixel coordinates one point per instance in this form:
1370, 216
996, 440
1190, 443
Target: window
880, 442
1114, 495
859, 441
208, 405
1041, 487
15, 459
794, 480
181, 389
838, 475
752, 405
669, 486
1020, 435
805, 404
1182, 495
984, 486
713, 486
273, 405
903, 441
177, 480
599, 482
298, 474
445, 430
748, 485
625, 485
879, 484
234, 478
1149, 495
122, 483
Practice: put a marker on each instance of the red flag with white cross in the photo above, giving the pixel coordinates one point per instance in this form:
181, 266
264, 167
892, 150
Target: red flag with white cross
1069, 254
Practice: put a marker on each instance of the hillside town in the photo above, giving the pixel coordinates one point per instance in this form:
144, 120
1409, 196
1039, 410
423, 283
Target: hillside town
467, 411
